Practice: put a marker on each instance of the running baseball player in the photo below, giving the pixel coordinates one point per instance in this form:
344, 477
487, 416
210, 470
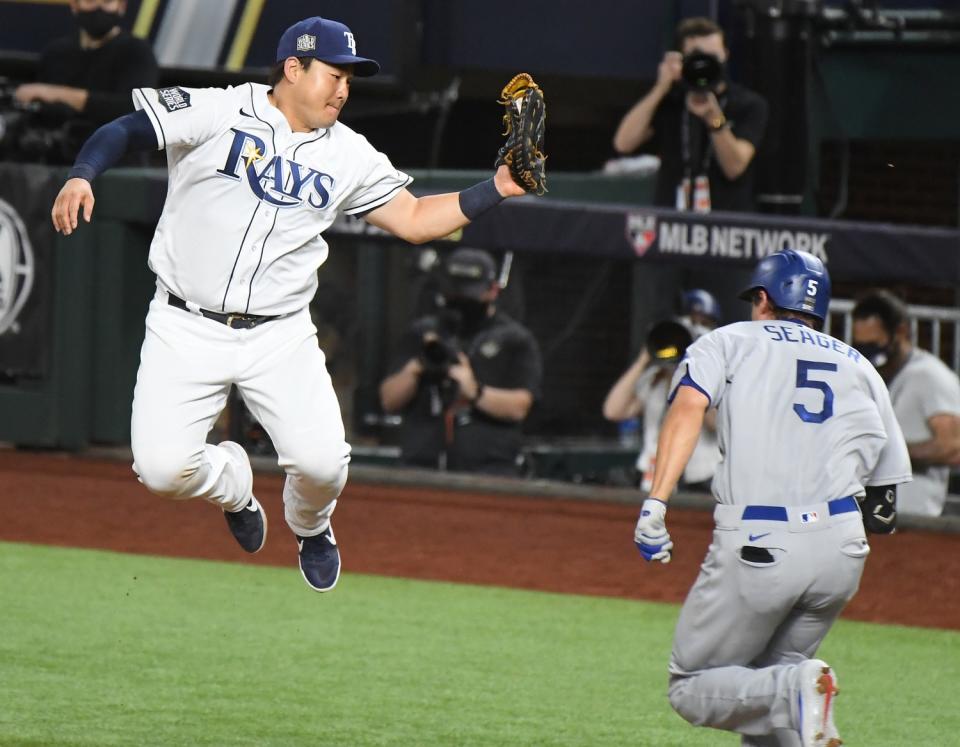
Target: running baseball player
256, 174
809, 437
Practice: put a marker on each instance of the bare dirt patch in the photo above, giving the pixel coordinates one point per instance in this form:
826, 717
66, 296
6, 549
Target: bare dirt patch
912, 578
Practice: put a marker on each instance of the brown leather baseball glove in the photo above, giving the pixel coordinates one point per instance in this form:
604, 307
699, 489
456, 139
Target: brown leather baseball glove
524, 120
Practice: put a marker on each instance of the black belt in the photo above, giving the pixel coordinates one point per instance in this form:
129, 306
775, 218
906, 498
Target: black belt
234, 321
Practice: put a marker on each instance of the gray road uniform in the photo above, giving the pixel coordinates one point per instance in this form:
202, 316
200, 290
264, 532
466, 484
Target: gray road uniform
804, 423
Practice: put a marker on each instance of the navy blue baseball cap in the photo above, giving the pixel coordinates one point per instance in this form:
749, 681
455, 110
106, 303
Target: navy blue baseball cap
327, 41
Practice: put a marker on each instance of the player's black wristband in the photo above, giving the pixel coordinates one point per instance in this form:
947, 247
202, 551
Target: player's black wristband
479, 198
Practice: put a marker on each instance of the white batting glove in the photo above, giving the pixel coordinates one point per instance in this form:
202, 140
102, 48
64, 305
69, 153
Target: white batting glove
651, 535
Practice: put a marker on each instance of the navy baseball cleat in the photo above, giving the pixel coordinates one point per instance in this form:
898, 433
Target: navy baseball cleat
248, 525
320, 560
818, 688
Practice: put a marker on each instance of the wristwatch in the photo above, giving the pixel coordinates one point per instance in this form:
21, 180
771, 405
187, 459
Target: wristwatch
478, 395
717, 122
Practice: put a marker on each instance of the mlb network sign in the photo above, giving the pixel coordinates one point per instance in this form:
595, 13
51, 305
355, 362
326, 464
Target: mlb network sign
703, 239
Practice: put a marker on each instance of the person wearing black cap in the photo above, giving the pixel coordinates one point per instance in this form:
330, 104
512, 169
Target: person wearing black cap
464, 379
257, 174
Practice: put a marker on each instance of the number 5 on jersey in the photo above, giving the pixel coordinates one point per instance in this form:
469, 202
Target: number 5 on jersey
805, 382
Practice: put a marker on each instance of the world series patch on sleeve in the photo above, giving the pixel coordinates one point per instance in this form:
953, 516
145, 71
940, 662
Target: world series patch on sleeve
524, 122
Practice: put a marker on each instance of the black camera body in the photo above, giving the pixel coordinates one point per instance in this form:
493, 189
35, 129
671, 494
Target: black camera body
667, 342
35, 132
437, 354
702, 72
441, 347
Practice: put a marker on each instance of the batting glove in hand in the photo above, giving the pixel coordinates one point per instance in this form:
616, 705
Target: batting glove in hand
651, 535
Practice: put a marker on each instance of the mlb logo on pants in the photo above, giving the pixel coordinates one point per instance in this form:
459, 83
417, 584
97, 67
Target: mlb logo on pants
809, 517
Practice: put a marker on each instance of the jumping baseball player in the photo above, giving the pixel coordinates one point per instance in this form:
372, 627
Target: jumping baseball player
812, 455
256, 174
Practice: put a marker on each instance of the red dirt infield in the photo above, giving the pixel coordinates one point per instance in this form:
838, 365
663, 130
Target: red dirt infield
576, 547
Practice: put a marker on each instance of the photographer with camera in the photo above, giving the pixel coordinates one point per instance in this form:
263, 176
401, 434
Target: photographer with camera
86, 79
705, 129
465, 378
642, 390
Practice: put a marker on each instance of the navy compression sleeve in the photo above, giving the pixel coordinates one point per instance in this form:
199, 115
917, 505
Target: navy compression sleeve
110, 143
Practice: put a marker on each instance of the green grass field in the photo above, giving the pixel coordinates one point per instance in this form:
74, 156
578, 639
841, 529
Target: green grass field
101, 649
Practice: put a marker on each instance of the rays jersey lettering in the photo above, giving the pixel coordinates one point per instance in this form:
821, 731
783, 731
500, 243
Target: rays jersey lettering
276, 180
249, 199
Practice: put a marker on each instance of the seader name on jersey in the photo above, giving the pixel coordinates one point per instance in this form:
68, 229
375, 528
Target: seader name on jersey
802, 335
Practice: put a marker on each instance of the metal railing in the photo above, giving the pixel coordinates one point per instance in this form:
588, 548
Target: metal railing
933, 328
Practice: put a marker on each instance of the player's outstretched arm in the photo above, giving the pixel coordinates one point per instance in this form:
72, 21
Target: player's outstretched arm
103, 149
678, 438
421, 219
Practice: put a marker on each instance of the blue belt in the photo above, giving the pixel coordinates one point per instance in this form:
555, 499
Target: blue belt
779, 513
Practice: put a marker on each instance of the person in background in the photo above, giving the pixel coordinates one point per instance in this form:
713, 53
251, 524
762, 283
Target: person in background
925, 395
86, 78
465, 378
641, 392
701, 312
705, 129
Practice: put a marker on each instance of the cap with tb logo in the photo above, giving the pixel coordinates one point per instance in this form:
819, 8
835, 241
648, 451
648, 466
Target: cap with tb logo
327, 41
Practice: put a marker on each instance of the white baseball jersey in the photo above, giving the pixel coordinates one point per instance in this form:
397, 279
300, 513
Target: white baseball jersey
790, 397
248, 198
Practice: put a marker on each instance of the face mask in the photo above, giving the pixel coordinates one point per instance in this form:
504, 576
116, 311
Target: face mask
696, 330
878, 355
472, 313
98, 23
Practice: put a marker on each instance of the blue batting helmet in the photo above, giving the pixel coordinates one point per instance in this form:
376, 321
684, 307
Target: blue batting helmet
794, 280
702, 301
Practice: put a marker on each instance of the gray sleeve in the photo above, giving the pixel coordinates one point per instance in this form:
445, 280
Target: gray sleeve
703, 367
893, 466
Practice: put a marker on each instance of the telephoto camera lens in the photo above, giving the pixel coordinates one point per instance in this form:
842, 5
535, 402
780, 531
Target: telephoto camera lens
702, 72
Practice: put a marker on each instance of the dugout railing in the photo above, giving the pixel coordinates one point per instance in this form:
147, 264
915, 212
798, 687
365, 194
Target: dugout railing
933, 328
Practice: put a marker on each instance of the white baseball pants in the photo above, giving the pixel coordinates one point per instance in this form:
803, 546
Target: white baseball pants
187, 365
